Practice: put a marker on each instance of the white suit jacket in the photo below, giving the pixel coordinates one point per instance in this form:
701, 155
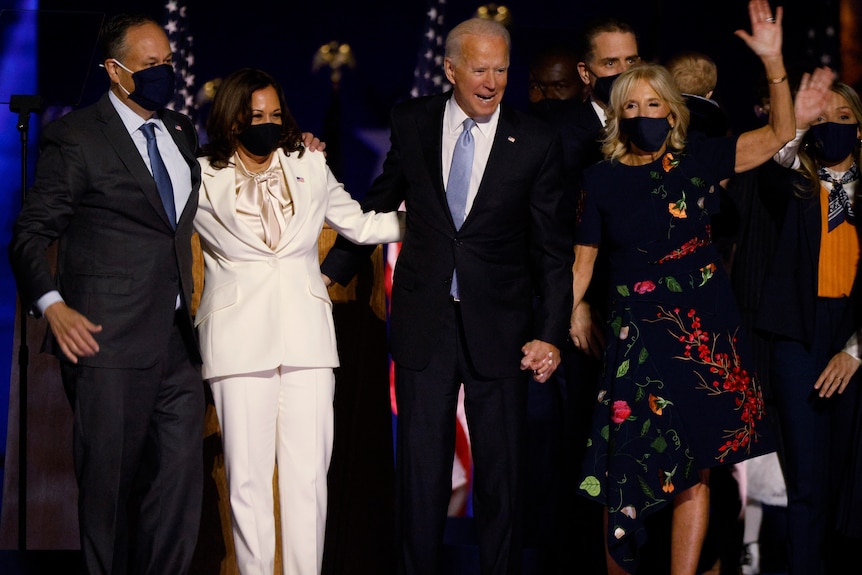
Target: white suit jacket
263, 308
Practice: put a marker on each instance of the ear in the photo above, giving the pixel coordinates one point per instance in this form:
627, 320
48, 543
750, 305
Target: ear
708, 95
112, 69
584, 73
449, 69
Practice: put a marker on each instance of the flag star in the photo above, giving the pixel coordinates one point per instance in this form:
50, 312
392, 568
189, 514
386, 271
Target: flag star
171, 6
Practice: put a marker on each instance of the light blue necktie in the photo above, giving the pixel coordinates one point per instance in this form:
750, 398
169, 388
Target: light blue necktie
459, 184
160, 173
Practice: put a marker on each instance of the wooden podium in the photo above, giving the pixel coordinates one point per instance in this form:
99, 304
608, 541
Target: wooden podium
360, 522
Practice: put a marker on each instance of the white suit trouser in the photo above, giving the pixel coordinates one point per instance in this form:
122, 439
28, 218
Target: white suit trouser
283, 415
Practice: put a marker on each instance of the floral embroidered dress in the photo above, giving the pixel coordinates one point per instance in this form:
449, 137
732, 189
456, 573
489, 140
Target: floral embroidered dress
678, 394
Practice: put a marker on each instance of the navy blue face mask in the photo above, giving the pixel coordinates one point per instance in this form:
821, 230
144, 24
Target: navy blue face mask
832, 142
154, 86
648, 134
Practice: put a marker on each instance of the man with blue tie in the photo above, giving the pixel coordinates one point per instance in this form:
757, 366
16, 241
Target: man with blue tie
481, 293
116, 187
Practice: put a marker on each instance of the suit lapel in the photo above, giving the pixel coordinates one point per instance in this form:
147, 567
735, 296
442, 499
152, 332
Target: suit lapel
504, 154
296, 180
185, 143
220, 189
117, 135
431, 124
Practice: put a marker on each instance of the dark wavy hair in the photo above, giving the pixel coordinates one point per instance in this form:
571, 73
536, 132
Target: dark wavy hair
231, 113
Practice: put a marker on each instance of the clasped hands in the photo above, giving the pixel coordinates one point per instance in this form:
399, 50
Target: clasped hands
540, 357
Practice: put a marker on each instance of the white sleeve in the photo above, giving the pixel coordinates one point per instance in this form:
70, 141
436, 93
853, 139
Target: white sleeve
852, 346
788, 155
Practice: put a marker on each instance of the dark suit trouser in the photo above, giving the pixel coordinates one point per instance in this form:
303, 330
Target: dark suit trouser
816, 437
495, 409
138, 457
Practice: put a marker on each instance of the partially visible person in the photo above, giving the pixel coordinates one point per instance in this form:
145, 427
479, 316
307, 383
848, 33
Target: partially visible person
608, 48
696, 76
265, 317
116, 187
677, 396
763, 483
554, 84
476, 297
815, 352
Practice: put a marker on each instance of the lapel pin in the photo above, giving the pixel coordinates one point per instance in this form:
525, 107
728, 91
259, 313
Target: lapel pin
511, 139
178, 128
300, 179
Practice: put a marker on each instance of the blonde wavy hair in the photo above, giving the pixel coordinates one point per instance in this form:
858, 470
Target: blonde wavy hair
616, 144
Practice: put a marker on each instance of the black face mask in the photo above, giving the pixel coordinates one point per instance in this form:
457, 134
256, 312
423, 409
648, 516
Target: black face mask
832, 141
648, 134
602, 89
260, 139
154, 86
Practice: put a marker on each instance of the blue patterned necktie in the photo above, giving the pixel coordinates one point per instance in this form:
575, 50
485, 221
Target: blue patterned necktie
160, 174
458, 184
840, 208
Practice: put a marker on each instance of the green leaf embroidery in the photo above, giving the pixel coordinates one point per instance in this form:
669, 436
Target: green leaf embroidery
672, 284
623, 368
591, 485
623, 290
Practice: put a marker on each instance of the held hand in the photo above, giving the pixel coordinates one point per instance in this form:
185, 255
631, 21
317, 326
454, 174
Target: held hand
73, 331
812, 96
765, 38
836, 375
540, 357
312, 143
327, 281
585, 330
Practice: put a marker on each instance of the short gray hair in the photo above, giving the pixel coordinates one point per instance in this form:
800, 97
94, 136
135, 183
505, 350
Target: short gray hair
474, 27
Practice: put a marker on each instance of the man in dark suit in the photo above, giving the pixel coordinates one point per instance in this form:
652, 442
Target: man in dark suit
513, 245
117, 306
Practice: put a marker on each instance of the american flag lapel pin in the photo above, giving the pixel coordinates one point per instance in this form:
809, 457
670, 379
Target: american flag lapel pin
300, 179
511, 139
178, 128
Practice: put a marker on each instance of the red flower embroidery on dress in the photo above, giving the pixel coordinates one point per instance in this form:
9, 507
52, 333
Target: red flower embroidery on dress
621, 411
699, 346
688, 247
644, 287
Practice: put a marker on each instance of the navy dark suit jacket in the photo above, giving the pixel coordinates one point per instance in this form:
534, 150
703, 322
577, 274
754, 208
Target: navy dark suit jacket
513, 246
789, 296
118, 262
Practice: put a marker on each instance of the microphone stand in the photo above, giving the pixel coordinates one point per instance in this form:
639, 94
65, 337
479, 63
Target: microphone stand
23, 106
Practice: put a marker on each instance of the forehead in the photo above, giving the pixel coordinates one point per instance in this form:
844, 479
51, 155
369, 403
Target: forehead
836, 102
263, 98
642, 90
147, 42
609, 45
484, 51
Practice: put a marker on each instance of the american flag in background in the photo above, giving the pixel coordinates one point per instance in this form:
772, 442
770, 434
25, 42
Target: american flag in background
428, 77
175, 21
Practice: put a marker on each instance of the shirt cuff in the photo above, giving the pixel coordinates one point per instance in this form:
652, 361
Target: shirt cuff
47, 301
852, 346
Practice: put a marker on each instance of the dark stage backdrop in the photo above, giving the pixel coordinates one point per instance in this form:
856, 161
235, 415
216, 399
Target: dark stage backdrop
283, 37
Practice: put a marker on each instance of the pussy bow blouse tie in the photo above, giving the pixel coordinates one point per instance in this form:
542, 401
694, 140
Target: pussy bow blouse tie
263, 195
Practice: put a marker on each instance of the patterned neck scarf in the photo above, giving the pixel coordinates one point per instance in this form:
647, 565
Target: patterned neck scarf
840, 208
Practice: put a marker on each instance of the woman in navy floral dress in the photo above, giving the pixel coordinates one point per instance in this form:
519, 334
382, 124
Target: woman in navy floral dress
678, 396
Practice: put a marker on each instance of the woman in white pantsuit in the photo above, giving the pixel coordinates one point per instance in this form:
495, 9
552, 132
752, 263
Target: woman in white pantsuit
265, 317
